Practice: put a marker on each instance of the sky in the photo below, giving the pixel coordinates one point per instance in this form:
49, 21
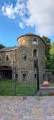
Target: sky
18, 17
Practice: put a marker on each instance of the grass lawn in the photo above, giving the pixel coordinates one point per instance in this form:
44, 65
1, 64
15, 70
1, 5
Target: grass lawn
51, 85
7, 88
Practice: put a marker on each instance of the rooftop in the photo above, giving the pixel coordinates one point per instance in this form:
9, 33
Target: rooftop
8, 48
30, 34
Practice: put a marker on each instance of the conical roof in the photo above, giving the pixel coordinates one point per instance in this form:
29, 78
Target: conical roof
30, 34
27, 34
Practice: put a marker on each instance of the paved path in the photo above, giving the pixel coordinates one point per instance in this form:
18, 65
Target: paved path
33, 108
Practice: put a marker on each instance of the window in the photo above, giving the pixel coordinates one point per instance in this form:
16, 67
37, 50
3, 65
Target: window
16, 76
34, 52
35, 75
34, 41
7, 58
24, 57
35, 64
0, 58
44, 76
24, 77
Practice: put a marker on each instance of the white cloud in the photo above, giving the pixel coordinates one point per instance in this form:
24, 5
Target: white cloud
12, 12
21, 25
40, 14
8, 11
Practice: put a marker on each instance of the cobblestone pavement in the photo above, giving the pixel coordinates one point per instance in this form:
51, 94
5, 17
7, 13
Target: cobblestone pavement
32, 108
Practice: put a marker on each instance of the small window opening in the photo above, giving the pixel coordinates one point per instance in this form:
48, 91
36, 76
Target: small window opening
0, 58
24, 77
34, 52
7, 58
44, 76
35, 64
16, 75
24, 57
35, 75
34, 41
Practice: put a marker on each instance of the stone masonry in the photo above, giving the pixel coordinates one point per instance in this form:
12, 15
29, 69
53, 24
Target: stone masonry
22, 59
26, 66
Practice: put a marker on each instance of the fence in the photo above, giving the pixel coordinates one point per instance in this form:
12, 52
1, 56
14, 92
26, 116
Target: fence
13, 87
22, 88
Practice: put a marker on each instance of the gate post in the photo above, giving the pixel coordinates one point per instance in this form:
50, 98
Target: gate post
35, 86
15, 81
37, 77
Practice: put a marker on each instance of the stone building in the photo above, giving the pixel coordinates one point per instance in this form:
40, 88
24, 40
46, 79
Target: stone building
20, 62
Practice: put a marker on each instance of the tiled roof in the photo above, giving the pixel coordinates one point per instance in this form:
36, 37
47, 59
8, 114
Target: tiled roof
8, 49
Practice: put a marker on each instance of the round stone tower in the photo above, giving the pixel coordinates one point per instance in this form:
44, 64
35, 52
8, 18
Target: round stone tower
30, 48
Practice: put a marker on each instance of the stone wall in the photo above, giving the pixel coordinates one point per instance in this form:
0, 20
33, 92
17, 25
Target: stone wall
21, 65
12, 62
47, 90
26, 47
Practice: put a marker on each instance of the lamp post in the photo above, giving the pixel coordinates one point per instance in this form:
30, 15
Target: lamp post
15, 79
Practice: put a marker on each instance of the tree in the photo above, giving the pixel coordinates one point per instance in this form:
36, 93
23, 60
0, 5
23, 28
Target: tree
46, 39
1, 46
52, 57
47, 51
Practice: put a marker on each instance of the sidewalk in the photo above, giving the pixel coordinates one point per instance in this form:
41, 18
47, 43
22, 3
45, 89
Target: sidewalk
33, 108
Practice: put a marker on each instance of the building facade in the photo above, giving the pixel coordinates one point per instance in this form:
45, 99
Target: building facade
20, 62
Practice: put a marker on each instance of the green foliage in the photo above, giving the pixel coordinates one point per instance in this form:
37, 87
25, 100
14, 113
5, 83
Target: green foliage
47, 63
47, 51
1, 46
52, 50
46, 39
52, 57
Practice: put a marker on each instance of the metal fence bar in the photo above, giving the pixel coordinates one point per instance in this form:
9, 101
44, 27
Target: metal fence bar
37, 77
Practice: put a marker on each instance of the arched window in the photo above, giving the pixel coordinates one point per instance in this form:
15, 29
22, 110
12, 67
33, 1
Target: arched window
34, 52
34, 41
7, 57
